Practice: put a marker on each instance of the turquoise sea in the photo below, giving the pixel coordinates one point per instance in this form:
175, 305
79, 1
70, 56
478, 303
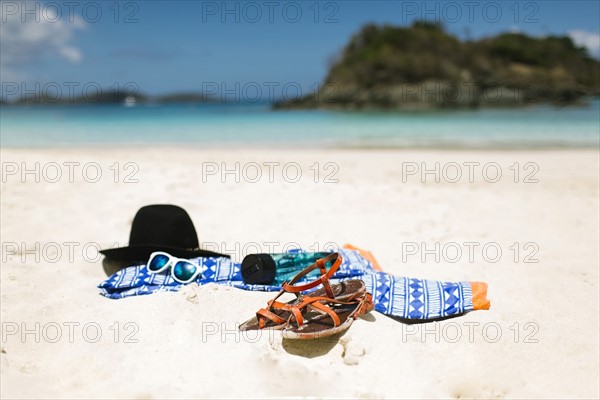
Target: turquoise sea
250, 124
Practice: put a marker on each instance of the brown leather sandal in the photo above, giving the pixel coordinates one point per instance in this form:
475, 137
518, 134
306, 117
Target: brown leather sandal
278, 315
327, 317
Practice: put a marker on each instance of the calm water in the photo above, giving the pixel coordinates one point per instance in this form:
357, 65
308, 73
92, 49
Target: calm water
542, 126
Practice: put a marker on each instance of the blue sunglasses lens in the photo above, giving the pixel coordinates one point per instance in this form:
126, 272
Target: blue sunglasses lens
158, 262
184, 271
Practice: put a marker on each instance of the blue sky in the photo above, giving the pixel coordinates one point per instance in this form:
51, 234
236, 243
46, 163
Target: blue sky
186, 46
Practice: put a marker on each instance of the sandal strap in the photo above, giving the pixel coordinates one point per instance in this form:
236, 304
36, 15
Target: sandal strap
366, 305
335, 259
324, 308
295, 311
263, 315
267, 313
317, 303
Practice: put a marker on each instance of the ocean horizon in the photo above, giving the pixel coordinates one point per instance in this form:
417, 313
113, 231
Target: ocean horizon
539, 126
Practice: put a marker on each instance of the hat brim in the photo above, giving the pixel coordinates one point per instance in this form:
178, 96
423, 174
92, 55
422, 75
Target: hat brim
142, 252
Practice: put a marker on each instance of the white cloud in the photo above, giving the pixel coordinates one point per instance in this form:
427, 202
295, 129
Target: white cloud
589, 40
40, 36
71, 53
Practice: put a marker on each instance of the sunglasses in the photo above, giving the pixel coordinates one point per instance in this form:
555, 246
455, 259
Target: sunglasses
182, 270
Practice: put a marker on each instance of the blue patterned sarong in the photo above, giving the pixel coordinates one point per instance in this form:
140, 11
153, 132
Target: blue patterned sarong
393, 295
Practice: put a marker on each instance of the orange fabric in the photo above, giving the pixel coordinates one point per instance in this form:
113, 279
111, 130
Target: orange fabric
366, 254
480, 300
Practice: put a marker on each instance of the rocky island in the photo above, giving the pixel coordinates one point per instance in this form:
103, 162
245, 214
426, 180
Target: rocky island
424, 67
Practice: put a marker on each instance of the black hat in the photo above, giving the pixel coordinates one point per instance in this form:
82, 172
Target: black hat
160, 227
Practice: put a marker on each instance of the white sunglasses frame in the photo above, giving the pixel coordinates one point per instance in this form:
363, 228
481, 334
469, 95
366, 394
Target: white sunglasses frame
170, 264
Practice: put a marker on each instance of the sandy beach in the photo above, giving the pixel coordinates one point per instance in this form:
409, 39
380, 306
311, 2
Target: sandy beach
540, 209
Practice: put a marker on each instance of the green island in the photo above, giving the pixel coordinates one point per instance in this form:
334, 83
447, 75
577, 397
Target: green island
423, 67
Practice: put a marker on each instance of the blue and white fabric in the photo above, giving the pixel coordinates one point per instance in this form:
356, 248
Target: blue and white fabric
395, 296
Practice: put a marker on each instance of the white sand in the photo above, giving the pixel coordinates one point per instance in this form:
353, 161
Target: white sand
554, 302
